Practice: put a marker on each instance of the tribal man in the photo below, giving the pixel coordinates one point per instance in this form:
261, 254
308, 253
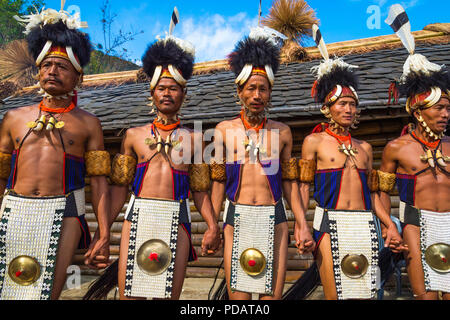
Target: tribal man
156, 235
340, 168
418, 161
45, 152
257, 173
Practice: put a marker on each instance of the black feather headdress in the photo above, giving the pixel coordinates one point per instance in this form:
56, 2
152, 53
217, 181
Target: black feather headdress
339, 75
335, 77
49, 30
258, 50
169, 52
60, 35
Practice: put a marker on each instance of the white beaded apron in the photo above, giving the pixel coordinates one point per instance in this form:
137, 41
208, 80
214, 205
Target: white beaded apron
354, 233
151, 219
254, 227
30, 227
434, 228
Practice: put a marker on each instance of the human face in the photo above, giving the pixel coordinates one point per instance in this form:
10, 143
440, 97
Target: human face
437, 116
168, 96
255, 94
57, 76
343, 112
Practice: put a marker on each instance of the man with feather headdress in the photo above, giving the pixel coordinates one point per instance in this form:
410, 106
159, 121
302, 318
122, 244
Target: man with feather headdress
45, 152
340, 167
417, 163
156, 240
256, 174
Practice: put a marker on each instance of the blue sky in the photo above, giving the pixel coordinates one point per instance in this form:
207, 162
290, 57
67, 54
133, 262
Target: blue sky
215, 26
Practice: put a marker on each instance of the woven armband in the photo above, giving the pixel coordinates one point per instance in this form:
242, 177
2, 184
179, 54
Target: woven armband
386, 181
5, 165
289, 169
123, 170
372, 181
98, 163
307, 170
199, 177
218, 172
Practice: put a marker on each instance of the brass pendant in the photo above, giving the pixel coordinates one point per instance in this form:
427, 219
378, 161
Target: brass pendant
31, 124
154, 257
354, 266
437, 257
24, 270
253, 262
60, 125
150, 141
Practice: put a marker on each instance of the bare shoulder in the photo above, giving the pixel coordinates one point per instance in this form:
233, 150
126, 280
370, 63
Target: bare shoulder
87, 116
279, 125
17, 113
225, 124
399, 143
314, 138
363, 144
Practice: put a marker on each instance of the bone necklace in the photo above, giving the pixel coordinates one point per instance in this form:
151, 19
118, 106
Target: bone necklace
156, 138
249, 144
349, 151
432, 154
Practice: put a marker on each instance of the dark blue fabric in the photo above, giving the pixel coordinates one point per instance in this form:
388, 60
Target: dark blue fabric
141, 169
75, 171
12, 175
233, 171
327, 187
406, 187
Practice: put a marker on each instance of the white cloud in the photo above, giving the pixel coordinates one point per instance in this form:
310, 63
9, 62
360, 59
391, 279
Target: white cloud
214, 37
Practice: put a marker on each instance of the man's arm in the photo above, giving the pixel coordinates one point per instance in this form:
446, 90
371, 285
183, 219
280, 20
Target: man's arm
6, 149
119, 192
382, 202
304, 240
100, 202
202, 201
218, 183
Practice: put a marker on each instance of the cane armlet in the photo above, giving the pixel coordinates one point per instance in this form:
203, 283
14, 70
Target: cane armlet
123, 170
289, 169
199, 177
98, 163
218, 172
386, 181
307, 170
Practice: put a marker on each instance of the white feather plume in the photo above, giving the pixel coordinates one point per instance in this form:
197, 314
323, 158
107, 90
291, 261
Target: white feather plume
328, 65
404, 33
172, 24
266, 33
418, 63
50, 16
322, 47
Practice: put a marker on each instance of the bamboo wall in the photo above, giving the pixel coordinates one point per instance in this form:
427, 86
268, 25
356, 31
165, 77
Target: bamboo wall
377, 132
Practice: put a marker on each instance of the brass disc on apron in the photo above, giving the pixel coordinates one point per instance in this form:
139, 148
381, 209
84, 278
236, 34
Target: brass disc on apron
154, 257
437, 257
24, 270
354, 266
253, 262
